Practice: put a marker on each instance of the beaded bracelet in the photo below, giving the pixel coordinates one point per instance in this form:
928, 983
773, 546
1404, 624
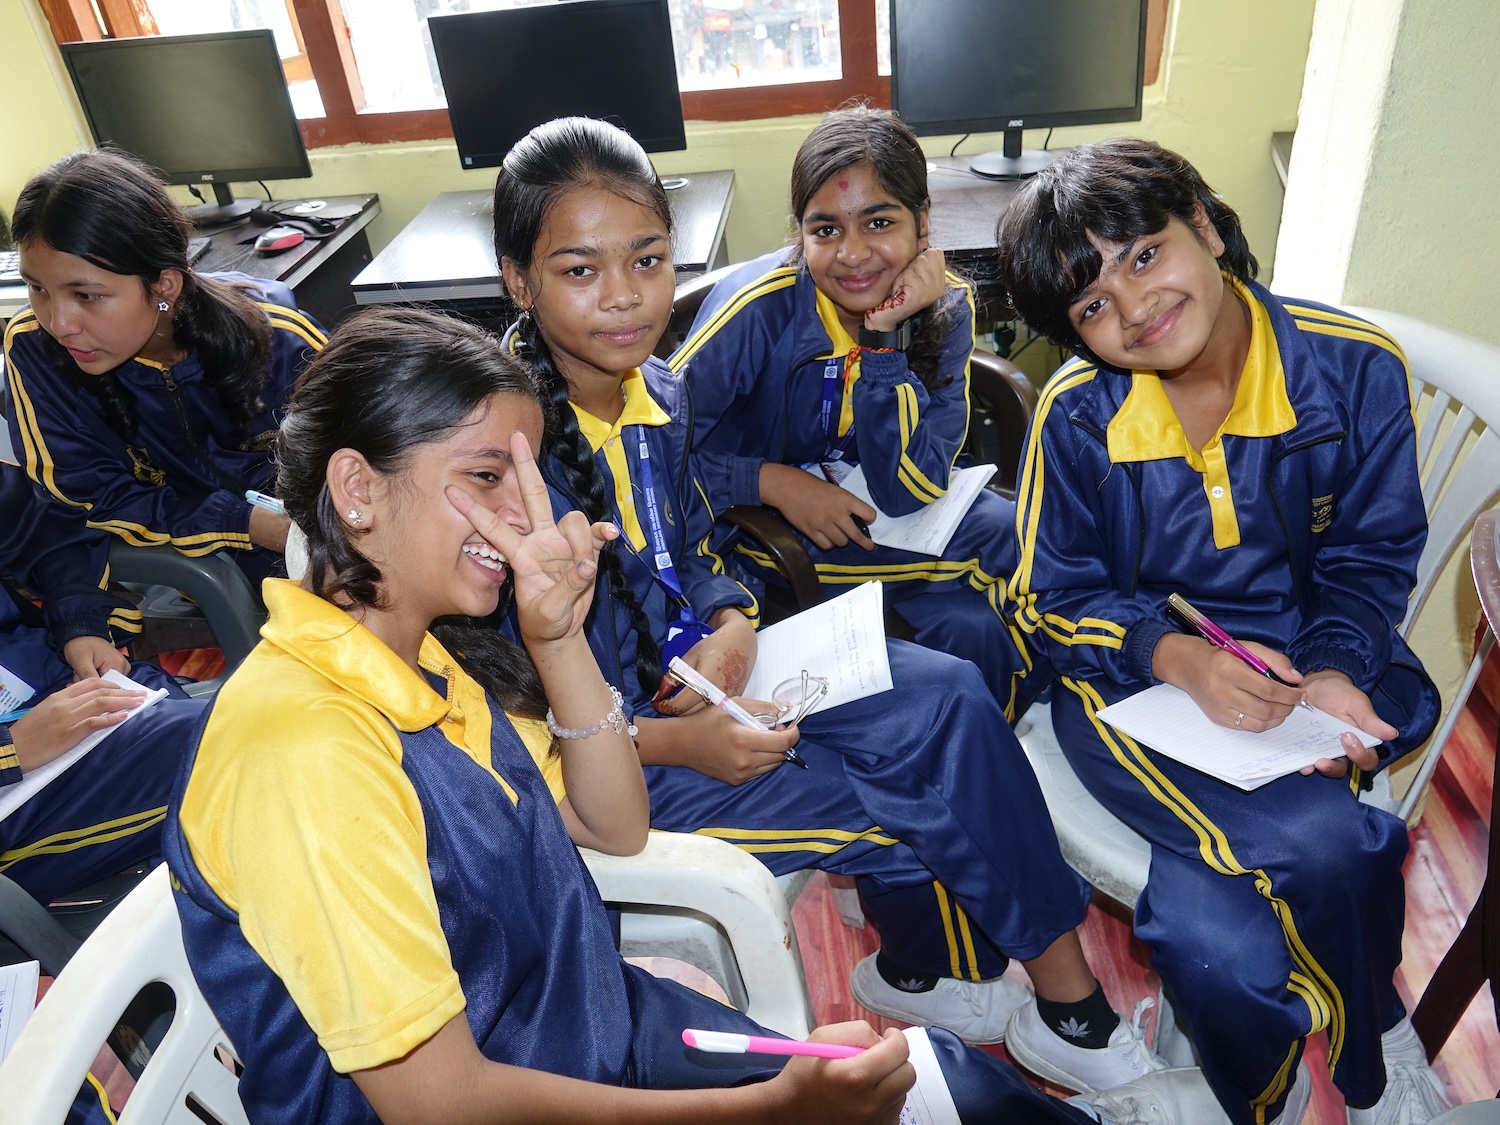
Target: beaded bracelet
615, 720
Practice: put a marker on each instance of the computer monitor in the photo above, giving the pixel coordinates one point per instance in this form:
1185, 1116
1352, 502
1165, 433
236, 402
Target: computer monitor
505, 72
201, 109
980, 66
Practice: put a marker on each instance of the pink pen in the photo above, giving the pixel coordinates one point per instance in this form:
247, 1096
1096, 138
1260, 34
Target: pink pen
730, 1043
1220, 639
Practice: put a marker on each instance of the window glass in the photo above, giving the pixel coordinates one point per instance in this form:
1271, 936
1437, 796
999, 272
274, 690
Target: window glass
720, 44
197, 17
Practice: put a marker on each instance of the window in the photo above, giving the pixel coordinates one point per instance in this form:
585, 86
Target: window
363, 70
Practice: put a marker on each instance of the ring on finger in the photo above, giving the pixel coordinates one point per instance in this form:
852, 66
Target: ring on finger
1239, 717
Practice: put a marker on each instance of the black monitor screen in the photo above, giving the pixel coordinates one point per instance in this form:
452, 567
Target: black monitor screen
506, 72
199, 108
961, 66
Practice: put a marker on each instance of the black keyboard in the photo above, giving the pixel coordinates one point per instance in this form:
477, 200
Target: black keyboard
10, 260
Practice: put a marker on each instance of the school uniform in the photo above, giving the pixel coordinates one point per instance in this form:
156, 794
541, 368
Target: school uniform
775, 377
921, 792
1275, 913
104, 813
352, 882
182, 479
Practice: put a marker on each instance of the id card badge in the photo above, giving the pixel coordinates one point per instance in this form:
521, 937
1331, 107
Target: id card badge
834, 472
14, 691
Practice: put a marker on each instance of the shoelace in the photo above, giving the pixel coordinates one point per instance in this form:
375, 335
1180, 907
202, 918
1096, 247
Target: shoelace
1138, 1053
1420, 1093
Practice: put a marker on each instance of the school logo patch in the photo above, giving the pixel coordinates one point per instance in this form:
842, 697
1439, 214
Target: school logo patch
143, 468
1322, 513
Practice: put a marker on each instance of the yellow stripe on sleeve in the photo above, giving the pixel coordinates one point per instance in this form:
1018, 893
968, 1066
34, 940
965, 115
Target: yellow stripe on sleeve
772, 282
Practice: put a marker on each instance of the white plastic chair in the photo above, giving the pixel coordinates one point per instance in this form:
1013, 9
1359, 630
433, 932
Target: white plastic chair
139, 943
695, 884
707, 903
1456, 386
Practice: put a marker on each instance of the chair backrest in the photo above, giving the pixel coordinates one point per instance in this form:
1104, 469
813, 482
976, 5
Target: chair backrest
139, 943
1456, 393
1455, 388
685, 306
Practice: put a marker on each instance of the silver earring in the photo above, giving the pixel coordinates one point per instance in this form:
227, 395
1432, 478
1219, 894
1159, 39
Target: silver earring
162, 306
356, 517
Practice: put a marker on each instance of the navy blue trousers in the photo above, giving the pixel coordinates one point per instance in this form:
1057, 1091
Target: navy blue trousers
923, 794
984, 1089
956, 604
1270, 914
104, 813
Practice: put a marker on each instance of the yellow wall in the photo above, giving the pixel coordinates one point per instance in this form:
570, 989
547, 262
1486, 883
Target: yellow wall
1230, 78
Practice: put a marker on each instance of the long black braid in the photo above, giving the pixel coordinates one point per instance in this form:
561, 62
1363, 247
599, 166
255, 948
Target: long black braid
572, 469
553, 159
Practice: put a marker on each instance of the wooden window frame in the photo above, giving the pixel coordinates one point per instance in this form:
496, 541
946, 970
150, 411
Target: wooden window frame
328, 56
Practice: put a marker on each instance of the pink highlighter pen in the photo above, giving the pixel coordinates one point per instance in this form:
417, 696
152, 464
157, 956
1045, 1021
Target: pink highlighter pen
732, 1043
1220, 639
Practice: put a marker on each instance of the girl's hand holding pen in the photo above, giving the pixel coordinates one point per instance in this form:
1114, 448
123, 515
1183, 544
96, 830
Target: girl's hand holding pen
1224, 687
822, 511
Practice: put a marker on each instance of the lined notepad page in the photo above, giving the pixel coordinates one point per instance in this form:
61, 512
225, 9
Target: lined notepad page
842, 640
929, 529
1166, 719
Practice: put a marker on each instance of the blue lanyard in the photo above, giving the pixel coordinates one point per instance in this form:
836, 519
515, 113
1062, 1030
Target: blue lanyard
832, 374
654, 528
687, 630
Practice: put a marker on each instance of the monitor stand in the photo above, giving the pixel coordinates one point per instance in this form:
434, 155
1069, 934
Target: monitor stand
225, 208
1010, 163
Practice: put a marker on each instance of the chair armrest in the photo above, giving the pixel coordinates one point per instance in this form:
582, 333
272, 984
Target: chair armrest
777, 539
1002, 384
27, 924
214, 582
736, 891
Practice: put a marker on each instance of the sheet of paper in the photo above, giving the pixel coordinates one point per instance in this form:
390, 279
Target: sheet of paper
842, 640
14, 691
928, 530
929, 1102
14, 796
17, 999
1166, 719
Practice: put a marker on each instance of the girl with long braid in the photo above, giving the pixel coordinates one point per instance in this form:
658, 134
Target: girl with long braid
922, 792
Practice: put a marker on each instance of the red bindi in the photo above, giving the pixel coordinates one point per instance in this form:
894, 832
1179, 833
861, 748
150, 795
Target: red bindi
843, 185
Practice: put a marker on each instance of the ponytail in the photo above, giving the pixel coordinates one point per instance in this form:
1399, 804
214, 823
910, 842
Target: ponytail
109, 209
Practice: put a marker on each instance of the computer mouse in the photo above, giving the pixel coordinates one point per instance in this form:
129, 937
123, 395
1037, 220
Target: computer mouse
272, 240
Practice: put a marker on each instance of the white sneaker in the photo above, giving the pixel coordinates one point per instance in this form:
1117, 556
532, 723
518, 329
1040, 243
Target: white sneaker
1176, 1096
1296, 1098
977, 1012
1034, 1045
1413, 1092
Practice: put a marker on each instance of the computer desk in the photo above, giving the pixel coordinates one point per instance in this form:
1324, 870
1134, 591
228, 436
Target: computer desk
446, 256
965, 209
317, 271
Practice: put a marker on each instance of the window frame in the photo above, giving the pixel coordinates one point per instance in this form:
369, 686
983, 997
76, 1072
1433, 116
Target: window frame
328, 57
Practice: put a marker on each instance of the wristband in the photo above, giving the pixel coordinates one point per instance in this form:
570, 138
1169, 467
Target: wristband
897, 339
615, 720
